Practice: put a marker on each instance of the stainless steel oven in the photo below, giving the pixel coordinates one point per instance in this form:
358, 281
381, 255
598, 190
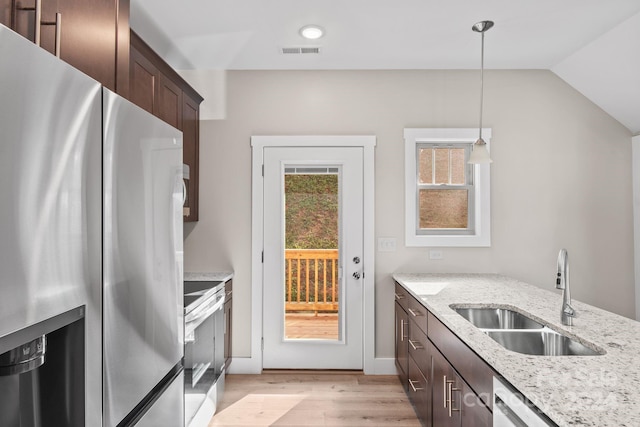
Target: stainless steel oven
204, 350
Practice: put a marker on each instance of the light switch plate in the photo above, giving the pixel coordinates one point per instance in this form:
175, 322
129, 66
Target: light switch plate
386, 244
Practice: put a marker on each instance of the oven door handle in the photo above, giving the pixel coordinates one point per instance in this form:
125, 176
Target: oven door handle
203, 312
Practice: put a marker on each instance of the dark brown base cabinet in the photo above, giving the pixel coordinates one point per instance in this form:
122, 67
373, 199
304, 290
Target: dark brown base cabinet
434, 367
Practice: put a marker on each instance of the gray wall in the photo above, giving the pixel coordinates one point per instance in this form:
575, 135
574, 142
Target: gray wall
561, 177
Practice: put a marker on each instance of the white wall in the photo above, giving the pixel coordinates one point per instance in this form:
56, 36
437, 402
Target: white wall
561, 176
212, 86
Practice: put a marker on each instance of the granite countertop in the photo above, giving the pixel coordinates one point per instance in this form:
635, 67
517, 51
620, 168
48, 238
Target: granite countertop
220, 276
571, 390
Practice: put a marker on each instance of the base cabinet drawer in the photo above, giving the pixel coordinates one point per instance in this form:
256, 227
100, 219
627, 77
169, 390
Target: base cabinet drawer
417, 313
419, 391
419, 347
401, 296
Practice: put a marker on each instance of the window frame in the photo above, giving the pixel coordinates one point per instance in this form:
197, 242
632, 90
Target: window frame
479, 213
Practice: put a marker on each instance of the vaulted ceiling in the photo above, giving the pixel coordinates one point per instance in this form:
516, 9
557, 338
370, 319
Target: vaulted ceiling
594, 45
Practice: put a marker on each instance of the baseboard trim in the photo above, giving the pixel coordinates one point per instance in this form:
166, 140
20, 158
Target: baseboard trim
384, 366
247, 365
244, 365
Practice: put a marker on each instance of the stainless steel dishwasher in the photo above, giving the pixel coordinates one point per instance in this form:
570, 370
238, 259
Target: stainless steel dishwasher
512, 409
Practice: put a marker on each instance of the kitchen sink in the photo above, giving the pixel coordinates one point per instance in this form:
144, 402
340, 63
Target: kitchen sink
542, 342
520, 333
497, 318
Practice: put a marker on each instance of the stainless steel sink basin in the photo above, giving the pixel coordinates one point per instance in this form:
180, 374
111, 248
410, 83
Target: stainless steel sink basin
497, 318
542, 342
518, 332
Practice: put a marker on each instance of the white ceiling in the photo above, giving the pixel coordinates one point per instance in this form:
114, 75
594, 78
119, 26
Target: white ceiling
594, 45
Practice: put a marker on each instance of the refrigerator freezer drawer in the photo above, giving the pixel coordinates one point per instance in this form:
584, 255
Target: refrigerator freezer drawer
168, 410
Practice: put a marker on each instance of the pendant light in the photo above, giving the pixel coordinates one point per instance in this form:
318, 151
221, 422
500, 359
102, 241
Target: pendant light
480, 154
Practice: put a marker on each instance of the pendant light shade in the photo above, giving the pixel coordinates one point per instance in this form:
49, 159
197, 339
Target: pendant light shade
480, 154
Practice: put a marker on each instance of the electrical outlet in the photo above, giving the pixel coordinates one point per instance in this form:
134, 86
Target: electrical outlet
386, 244
435, 254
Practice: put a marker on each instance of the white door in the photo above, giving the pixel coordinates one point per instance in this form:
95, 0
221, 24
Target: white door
283, 347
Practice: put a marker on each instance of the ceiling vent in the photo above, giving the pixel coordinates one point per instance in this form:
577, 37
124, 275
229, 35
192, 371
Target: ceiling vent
300, 50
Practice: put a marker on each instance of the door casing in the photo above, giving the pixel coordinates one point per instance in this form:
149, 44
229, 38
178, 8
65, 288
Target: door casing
253, 364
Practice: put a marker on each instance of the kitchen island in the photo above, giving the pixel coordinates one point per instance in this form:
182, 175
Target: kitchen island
600, 390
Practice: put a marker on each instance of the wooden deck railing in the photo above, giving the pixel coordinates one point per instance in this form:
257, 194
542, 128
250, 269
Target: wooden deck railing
311, 280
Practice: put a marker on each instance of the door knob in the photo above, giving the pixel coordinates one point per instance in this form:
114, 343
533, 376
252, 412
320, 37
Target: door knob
356, 275
356, 260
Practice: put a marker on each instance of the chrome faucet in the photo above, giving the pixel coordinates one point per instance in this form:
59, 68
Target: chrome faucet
562, 282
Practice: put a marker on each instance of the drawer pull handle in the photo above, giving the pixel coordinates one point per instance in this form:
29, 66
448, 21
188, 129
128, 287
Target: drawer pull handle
414, 313
415, 347
399, 296
402, 335
415, 389
450, 390
444, 391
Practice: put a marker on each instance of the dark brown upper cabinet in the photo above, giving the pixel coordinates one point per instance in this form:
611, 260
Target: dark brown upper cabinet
158, 88
91, 35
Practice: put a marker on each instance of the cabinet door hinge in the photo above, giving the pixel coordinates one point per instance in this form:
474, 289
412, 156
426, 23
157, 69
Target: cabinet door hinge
263, 257
262, 344
262, 170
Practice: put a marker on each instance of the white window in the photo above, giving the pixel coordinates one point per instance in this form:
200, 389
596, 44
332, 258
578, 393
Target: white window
447, 200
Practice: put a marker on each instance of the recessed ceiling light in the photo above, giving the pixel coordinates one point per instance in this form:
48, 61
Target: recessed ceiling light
311, 32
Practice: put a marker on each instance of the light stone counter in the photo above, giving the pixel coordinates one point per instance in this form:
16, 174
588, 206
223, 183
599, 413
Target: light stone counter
572, 390
221, 276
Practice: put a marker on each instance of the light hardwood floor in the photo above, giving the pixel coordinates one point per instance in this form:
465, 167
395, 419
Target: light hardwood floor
314, 399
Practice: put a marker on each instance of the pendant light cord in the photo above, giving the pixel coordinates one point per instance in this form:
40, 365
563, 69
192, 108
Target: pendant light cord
481, 81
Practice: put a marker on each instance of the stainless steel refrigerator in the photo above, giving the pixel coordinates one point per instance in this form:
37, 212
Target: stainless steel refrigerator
90, 251
142, 260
